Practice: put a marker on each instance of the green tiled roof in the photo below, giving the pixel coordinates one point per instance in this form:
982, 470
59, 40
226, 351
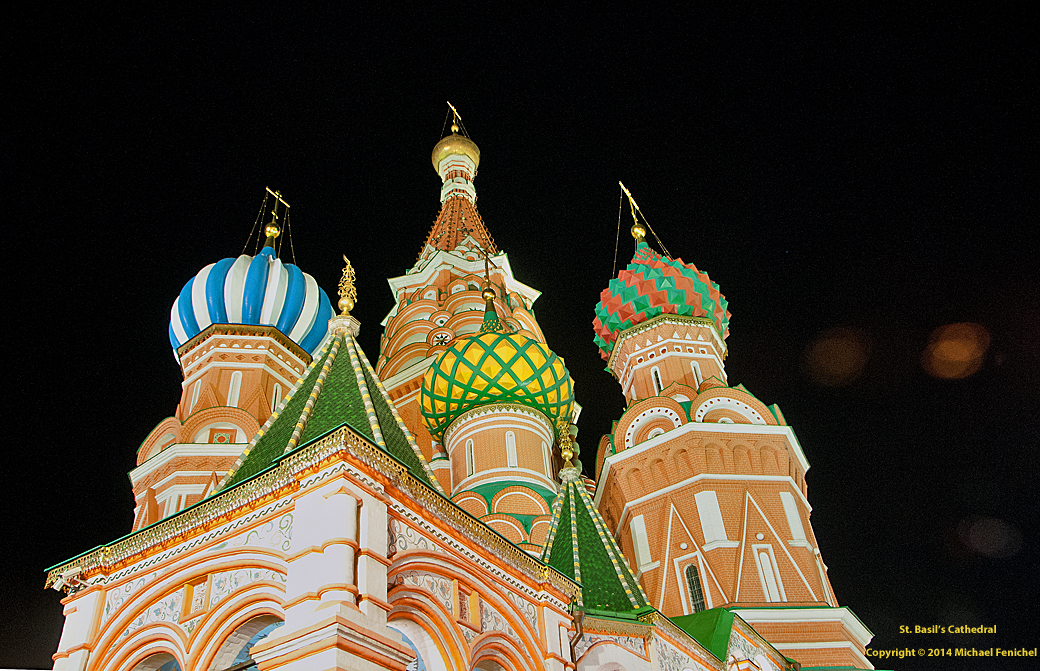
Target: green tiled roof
710, 627
580, 547
340, 387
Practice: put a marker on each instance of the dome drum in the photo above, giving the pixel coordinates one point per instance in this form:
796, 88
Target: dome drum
501, 442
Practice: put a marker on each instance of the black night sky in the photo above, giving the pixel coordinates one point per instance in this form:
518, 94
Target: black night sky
854, 179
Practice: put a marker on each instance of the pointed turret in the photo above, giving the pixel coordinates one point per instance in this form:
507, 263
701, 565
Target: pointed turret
580, 546
441, 299
455, 158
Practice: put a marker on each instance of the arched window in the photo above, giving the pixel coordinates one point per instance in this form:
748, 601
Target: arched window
693, 582
234, 387
469, 457
276, 397
510, 449
546, 461
655, 373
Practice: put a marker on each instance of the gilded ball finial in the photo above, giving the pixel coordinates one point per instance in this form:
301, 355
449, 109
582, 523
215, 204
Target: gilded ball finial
566, 444
488, 294
347, 290
454, 127
638, 232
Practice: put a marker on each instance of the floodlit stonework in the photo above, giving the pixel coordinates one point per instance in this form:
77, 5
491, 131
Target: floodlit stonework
305, 509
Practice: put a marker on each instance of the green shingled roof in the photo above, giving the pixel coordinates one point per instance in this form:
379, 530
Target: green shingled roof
340, 387
580, 547
710, 627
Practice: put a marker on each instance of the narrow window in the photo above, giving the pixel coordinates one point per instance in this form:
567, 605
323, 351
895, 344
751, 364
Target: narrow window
545, 460
233, 388
693, 581
696, 372
770, 574
276, 396
469, 457
195, 395
772, 592
655, 373
510, 449
640, 542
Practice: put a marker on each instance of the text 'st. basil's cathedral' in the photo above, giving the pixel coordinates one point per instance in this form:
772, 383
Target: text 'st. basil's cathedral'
305, 509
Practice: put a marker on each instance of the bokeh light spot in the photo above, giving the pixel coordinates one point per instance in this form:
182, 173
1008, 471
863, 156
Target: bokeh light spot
955, 351
837, 356
989, 536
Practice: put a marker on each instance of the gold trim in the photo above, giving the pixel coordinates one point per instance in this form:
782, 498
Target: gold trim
285, 478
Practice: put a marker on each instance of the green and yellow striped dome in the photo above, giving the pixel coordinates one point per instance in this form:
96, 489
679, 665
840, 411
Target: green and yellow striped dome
494, 367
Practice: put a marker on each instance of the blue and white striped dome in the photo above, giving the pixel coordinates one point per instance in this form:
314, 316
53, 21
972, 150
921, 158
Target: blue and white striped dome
252, 290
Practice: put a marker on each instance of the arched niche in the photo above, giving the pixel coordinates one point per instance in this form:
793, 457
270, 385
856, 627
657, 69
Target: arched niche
162, 661
427, 655
234, 651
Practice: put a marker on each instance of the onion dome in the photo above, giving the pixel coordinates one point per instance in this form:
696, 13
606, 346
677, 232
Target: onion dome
652, 285
455, 144
494, 366
252, 290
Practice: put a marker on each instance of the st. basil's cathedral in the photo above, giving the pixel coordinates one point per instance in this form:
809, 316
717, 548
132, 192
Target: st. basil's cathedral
304, 509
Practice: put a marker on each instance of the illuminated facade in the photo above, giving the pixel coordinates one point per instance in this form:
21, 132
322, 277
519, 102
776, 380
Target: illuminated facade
305, 509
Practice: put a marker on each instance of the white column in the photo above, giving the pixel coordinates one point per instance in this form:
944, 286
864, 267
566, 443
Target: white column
80, 614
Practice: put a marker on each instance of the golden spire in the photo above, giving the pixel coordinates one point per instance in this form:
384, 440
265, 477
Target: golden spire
273, 230
347, 290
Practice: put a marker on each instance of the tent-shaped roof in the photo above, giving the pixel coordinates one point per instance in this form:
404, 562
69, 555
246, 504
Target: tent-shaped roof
580, 547
340, 387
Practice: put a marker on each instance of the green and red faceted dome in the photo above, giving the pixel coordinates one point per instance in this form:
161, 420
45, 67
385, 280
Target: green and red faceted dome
653, 285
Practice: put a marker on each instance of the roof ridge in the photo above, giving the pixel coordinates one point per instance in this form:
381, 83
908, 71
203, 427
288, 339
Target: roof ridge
363, 358
319, 384
366, 397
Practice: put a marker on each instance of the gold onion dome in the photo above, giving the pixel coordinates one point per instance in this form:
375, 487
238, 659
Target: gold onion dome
494, 367
455, 144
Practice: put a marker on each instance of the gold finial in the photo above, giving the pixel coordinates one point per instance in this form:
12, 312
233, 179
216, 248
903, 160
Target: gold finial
566, 444
455, 119
273, 230
638, 230
347, 290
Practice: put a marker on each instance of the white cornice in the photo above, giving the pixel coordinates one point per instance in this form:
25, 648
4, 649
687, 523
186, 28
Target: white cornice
840, 614
446, 260
185, 450
416, 369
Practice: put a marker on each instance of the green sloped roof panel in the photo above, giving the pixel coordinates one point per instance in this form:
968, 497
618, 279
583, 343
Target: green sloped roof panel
711, 628
271, 445
339, 401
